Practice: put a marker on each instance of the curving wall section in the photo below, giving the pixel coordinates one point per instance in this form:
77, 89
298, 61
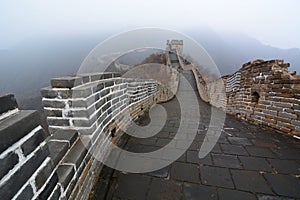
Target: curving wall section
97, 108
84, 113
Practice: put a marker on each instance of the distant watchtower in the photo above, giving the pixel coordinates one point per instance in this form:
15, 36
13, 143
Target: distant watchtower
175, 45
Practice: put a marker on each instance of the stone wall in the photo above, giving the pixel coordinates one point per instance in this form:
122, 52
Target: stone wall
92, 109
26, 169
200, 83
175, 45
83, 113
217, 94
266, 93
261, 92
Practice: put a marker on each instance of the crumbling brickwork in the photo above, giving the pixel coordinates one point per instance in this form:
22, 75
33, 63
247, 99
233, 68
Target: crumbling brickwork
266, 93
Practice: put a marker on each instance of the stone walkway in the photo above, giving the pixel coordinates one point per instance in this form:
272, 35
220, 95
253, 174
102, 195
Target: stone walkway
248, 162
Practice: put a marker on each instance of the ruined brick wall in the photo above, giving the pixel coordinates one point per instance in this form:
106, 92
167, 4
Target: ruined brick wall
266, 93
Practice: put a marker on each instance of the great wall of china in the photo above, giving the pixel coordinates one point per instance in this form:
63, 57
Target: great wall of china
83, 111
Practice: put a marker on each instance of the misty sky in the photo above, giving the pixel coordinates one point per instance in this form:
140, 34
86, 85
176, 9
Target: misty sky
273, 22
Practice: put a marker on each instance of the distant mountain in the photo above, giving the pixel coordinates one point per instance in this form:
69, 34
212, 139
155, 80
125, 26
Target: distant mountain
230, 50
137, 57
28, 67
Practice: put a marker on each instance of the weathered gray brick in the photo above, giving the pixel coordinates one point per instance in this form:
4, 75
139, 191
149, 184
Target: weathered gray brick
8, 163
107, 75
296, 122
66, 82
76, 154
64, 94
58, 122
21, 176
66, 135
17, 126
100, 103
287, 115
76, 103
47, 92
115, 75
56, 193
108, 97
65, 174
27, 193
105, 107
109, 83
34, 141
54, 103
98, 87
49, 187
7, 102
44, 174
283, 105
279, 109
81, 113
296, 107
87, 130
82, 92
53, 113
265, 102
270, 112
84, 122
57, 150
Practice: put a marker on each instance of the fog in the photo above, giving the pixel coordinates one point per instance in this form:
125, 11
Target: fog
273, 22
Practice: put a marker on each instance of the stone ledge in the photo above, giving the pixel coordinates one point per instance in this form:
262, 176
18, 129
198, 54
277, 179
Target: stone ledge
55, 195
27, 193
73, 81
65, 135
76, 154
57, 150
66, 82
20, 177
16, 127
65, 174
32, 143
49, 187
8, 163
43, 174
7, 103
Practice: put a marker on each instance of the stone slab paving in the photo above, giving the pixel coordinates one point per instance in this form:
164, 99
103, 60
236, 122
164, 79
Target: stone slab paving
248, 162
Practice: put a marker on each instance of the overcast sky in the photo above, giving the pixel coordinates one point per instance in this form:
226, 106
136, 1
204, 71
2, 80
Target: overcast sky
273, 22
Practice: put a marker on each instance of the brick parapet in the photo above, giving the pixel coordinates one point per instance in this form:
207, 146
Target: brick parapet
268, 94
83, 116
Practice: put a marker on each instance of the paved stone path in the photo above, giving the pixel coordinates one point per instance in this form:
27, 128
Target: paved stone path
248, 162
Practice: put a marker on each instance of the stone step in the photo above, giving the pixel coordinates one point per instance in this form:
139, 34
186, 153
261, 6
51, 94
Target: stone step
16, 126
7, 102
